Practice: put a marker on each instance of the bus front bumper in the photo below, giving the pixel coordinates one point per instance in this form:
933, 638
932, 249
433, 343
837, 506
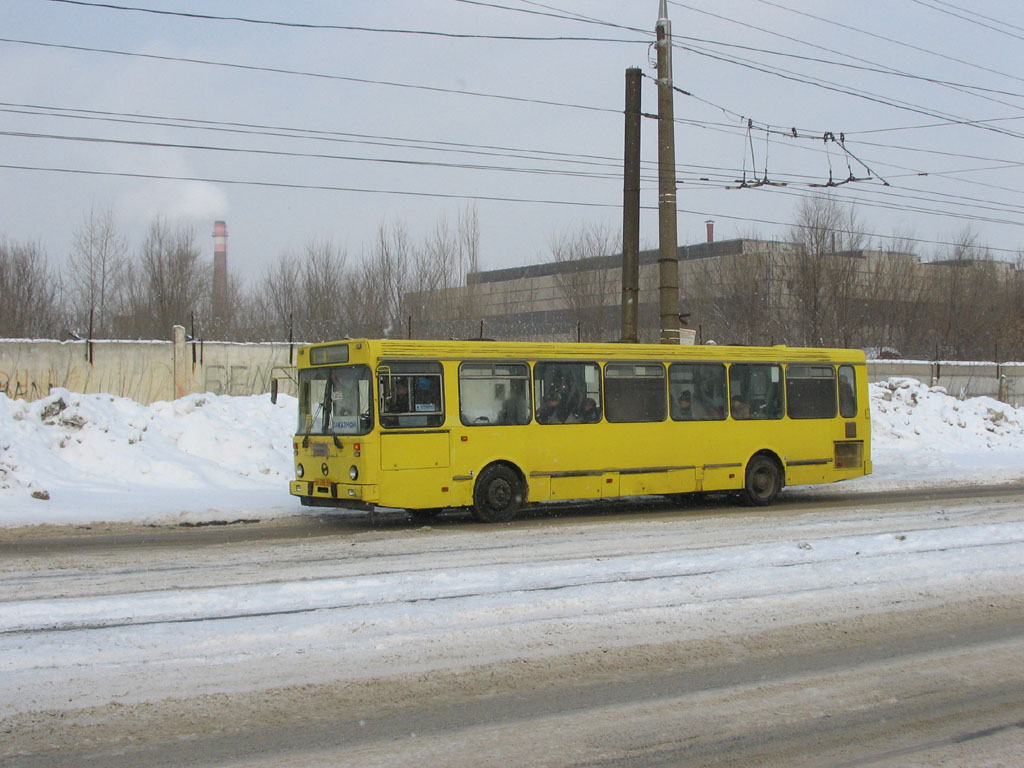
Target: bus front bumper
340, 492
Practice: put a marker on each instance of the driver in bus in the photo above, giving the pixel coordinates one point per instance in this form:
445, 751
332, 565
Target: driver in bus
400, 399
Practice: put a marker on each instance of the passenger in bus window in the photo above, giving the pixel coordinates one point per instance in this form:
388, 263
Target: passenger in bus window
589, 412
683, 406
549, 412
740, 408
569, 395
510, 412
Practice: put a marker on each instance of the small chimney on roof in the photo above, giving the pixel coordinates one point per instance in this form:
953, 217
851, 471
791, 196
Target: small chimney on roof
710, 223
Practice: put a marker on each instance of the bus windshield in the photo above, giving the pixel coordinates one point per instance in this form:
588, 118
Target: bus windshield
335, 401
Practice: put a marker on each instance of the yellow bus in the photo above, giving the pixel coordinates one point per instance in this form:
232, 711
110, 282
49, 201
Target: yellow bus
494, 426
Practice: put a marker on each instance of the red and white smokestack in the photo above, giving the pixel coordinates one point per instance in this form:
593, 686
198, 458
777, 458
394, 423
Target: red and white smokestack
220, 272
710, 223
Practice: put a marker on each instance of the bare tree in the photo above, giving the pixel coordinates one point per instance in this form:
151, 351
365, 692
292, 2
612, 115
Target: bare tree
380, 283
588, 286
826, 272
30, 306
306, 297
438, 298
896, 298
168, 284
324, 293
96, 268
735, 299
277, 298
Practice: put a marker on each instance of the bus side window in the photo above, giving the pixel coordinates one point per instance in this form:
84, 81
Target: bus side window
567, 393
705, 385
847, 391
410, 394
634, 392
811, 391
494, 393
755, 391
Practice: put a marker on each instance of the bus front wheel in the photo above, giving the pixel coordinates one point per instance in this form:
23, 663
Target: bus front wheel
498, 495
764, 481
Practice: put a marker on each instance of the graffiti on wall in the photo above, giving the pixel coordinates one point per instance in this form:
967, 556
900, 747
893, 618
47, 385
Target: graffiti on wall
236, 379
21, 383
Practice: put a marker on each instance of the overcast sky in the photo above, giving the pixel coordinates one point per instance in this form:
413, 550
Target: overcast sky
302, 130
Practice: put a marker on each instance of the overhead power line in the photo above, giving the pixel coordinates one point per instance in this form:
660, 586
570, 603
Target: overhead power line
1000, 28
600, 167
316, 187
452, 196
309, 155
343, 27
1000, 22
299, 73
919, 49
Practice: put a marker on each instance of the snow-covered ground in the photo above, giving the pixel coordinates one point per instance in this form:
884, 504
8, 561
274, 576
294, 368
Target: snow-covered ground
136, 644
73, 458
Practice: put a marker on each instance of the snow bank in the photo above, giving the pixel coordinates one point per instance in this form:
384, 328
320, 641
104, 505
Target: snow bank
79, 458
922, 436
73, 458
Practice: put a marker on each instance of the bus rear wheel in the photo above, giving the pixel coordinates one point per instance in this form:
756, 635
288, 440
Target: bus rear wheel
498, 495
764, 481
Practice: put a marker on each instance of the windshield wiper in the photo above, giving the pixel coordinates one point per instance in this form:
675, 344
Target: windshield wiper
309, 429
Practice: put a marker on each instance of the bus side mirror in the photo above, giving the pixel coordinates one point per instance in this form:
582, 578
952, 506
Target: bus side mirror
273, 391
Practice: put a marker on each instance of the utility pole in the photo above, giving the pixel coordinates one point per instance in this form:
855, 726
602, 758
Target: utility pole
631, 208
668, 252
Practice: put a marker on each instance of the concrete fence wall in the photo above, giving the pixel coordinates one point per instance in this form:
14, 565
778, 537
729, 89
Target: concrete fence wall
1002, 381
147, 371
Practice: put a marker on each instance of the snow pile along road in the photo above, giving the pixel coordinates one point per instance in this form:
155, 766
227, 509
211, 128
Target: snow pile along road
72, 458
79, 458
921, 436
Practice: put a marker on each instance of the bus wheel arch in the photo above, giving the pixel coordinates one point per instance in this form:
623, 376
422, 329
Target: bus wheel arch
764, 478
499, 493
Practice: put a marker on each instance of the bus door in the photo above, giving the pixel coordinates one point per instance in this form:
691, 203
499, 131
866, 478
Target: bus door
811, 400
414, 445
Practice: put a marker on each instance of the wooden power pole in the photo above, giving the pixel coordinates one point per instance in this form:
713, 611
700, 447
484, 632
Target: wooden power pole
631, 209
668, 252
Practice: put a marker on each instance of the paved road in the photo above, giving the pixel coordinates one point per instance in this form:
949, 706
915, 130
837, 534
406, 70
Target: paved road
882, 668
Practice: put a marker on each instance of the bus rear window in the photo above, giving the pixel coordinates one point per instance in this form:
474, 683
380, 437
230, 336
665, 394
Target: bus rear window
847, 391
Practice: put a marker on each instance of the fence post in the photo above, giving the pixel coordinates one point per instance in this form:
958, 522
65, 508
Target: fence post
181, 364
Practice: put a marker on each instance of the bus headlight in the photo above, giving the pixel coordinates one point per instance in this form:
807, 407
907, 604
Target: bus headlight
353, 473
300, 470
